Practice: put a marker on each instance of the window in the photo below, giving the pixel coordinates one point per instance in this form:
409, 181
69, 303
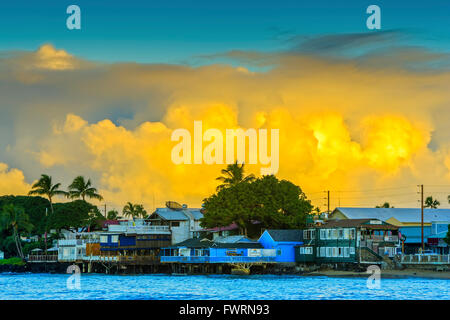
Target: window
329, 252
329, 234
340, 251
352, 250
346, 252
175, 224
323, 252
335, 252
352, 234
278, 252
103, 239
306, 250
115, 238
341, 233
323, 234
308, 234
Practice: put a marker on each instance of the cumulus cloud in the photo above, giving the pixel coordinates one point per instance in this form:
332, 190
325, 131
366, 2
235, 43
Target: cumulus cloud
344, 124
12, 181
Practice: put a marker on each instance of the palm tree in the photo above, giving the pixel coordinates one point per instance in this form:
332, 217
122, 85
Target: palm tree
134, 210
112, 215
232, 175
129, 210
45, 187
431, 203
15, 218
140, 211
82, 189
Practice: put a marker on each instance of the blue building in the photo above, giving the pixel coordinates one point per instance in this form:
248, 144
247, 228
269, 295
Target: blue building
283, 242
236, 249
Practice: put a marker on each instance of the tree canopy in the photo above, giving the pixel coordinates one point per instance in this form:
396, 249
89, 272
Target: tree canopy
35, 207
73, 215
15, 219
275, 204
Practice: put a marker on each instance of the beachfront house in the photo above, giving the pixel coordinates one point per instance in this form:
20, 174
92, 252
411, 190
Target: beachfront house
73, 247
348, 241
184, 222
283, 242
408, 220
234, 249
134, 240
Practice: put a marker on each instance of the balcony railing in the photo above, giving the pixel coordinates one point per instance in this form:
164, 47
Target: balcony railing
215, 259
425, 258
139, 229
42, 258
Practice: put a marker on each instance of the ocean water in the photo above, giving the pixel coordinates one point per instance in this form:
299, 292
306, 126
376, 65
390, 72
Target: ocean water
215, 287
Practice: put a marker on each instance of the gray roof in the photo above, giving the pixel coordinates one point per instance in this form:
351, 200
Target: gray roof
205, 243
410, 215
291, 235
169, 214
233, 239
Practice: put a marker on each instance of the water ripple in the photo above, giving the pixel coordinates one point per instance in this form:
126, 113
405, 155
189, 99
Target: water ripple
215, 287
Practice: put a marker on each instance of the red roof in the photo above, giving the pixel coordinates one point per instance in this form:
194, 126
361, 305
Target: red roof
232, 226
109, 222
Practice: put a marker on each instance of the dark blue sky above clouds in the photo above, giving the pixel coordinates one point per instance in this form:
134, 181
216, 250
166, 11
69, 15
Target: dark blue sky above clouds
177, 31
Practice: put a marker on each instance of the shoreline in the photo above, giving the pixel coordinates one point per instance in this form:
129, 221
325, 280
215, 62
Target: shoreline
386, 274
330, 273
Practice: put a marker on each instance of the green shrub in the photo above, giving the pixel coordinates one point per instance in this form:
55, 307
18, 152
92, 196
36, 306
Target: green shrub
12, 262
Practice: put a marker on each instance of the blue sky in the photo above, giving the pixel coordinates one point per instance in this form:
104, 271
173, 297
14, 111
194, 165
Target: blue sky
177, 31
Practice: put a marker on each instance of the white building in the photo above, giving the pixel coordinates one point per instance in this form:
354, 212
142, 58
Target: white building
184, 223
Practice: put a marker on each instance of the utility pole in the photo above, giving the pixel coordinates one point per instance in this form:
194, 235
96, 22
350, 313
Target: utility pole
46, 225
106, 216
421, 209
328, 201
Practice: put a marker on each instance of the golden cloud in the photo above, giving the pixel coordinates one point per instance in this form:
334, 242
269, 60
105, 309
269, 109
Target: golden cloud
12, 181
342, 125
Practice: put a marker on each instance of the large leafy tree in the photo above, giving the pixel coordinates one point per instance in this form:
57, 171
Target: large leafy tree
275, 204
45, 187
431, 203
15, 219
232, 175
80, 188
74, 215
35, 207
